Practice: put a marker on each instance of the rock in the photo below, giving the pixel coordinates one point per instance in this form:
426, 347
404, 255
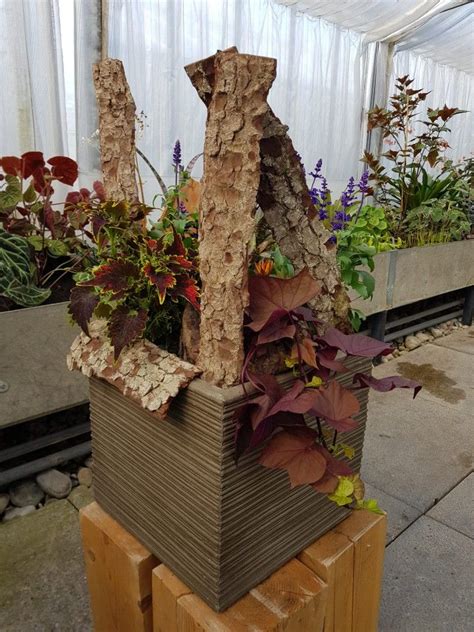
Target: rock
88, 462
25, 493
50, 500
396, 353
16, 512
81, 496
423, 337
436, 332
4, 502
85, 476
387, 358
412, 342
54, 483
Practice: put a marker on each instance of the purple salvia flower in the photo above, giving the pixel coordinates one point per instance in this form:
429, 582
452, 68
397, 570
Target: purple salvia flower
177, 154
348, 197
364, 182
317, 169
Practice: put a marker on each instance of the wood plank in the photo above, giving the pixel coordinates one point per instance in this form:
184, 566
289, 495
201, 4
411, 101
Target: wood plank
118, 571
292, 600
167, 589
297, 595
366, 531
332, 559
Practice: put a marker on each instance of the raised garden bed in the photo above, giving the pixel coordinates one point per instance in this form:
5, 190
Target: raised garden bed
34, 342
413, 274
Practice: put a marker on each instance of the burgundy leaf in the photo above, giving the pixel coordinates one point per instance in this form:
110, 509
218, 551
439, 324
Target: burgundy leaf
83, 303
295, 452
327, 484
126, 326
386, 383
188, 289
355, 344
327, 359
32, 161
335, 466
336, 405
64, 169
276, 315
276, 330
11, 165
161, 280
113, 276
268, 294
296, 400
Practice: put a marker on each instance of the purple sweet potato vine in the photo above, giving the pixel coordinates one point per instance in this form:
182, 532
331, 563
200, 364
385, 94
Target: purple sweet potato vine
300, 426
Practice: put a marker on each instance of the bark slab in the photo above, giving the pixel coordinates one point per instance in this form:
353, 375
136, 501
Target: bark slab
116, 130
147, 374
237, 104
289, 213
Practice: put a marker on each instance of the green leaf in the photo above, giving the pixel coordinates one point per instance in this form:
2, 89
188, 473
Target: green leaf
36, 241
29, 196
16, 275
371, 505
57, 248
11, 195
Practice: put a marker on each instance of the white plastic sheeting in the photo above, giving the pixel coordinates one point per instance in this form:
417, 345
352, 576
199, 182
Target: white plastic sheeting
318, 91
325, 77
32, 101
378, 19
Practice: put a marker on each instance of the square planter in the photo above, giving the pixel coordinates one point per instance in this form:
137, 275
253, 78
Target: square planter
33, 347
220, 528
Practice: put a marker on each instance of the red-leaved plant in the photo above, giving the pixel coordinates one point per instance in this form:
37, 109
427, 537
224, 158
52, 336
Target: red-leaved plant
300, 425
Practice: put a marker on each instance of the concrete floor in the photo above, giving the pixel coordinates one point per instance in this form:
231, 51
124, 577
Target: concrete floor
418, 462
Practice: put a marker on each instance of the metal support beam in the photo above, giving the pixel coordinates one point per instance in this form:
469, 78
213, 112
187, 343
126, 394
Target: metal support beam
468, 306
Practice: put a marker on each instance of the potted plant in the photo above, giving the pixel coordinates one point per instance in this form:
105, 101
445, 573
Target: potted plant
418, 198
41, 245
226, 476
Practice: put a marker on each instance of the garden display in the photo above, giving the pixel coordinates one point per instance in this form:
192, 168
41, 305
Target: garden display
228, 392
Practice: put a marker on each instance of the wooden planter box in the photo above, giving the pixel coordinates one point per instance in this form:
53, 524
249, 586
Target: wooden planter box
33, 347
221, 529
407, 276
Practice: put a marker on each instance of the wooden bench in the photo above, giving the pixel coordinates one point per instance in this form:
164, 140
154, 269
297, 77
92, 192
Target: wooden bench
333, 586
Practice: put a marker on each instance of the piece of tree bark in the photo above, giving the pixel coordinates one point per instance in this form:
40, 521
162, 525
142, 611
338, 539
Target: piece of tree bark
116, 130
147, 374
284, 198
289, 212
189, 342
228, 200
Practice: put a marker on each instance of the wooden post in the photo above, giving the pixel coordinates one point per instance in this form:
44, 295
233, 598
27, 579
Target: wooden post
118, 571
332, 558
367, 532
333, 586
292, 600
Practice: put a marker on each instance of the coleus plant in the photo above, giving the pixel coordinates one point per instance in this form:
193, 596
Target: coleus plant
144, 274
48, 230
300, 426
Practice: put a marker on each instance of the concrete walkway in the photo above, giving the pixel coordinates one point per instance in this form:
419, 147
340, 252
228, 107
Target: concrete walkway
418, 462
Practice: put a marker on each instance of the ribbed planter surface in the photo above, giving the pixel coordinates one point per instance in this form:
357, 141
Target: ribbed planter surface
221, 529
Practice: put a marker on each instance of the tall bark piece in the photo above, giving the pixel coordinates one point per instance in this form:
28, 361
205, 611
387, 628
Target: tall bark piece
290, 214
237, 104
284, 198
116, 130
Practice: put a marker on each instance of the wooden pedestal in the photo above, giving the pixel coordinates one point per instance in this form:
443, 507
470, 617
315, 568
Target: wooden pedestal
333, 586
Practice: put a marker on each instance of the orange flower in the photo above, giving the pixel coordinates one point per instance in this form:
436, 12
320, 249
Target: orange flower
264, 267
